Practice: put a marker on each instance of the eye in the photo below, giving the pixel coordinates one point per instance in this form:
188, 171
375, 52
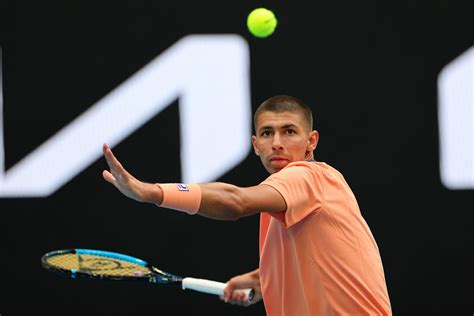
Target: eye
290, 131
265, 133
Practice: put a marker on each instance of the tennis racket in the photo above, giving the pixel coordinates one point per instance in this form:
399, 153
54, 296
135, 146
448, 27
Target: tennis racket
106, 265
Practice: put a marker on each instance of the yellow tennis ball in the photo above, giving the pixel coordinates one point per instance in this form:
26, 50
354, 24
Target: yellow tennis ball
261, 22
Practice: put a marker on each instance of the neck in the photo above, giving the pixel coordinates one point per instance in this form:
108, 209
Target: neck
309, 156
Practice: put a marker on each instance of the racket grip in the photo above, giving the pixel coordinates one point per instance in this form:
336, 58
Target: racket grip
212, 287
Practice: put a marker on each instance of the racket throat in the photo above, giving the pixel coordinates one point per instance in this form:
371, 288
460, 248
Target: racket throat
162, 277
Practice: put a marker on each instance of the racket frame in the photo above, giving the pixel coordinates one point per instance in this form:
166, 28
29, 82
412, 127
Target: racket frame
155, 275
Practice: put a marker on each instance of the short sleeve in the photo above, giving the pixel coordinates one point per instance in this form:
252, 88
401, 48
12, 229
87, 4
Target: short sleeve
301, 187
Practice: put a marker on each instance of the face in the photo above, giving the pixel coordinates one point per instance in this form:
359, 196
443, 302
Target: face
282, 138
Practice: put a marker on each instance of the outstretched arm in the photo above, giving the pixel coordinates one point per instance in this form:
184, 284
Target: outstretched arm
218, 200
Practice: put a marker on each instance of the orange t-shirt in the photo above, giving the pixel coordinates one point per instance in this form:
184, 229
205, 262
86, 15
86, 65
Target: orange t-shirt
319, 256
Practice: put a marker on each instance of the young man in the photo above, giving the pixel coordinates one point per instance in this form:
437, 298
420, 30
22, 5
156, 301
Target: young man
317, 254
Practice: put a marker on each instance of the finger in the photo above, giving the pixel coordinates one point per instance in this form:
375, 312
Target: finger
108, 176
108, 156
114, 165
107, 153
245, 300
228, 291
238, 296
239, 303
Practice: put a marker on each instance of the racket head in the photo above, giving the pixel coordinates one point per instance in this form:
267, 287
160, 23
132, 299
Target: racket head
105, 265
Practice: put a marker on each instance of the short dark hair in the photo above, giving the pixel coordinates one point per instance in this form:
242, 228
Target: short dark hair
285, 103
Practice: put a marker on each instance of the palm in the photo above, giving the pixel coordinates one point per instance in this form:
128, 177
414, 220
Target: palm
119, 177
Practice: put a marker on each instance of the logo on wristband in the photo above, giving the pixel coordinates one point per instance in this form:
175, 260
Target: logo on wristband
182, 187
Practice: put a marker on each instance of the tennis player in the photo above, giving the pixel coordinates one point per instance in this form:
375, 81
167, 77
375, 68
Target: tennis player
317, 253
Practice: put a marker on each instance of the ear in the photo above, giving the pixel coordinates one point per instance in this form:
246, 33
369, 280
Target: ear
254, 143
313, 140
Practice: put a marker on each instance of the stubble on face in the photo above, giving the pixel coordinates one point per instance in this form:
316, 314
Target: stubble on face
281, 138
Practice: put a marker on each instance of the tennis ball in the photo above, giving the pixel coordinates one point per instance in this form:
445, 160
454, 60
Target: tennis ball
261, 22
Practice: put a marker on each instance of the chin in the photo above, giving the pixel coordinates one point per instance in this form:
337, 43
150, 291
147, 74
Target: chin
272, 170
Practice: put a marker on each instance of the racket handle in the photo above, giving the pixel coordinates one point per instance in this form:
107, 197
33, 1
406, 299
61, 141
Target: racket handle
212, 287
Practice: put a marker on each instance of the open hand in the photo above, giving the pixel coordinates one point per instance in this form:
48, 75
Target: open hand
121, 179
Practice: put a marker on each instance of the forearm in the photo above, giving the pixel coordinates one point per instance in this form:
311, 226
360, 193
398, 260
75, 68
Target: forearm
217, 200
214, 200
252, 278
255, 274
229, 202
221, 201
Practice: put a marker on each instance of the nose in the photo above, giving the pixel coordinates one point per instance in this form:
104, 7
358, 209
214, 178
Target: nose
276, 142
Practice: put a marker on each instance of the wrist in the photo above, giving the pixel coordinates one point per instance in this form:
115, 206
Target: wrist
148, 193
180, 197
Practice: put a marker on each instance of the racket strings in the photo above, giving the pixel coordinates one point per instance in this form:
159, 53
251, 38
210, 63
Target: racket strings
97, 265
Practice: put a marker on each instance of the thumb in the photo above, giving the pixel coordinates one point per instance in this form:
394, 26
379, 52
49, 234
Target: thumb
108, 176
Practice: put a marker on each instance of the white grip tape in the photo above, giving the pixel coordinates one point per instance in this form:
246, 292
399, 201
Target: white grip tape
211, 287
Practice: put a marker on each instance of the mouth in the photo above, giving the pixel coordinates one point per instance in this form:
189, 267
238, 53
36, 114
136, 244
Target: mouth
278, 163
277, 159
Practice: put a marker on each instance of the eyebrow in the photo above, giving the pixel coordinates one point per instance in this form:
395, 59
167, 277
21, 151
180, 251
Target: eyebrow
290, 125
